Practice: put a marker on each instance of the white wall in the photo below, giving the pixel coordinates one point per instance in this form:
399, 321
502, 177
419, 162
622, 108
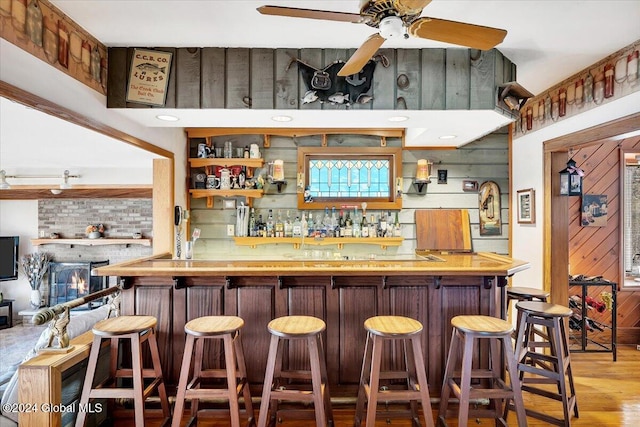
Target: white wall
527, 158
19, 218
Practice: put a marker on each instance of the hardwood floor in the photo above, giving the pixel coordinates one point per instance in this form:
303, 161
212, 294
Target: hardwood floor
608, 395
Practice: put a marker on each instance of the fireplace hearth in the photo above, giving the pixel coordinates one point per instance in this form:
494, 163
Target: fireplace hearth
71, 280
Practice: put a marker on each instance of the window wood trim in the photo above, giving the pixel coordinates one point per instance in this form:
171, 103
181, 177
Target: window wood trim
394, 202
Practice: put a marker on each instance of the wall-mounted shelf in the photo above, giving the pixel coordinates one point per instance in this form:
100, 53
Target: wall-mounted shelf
91, 242
233, 161
384, 242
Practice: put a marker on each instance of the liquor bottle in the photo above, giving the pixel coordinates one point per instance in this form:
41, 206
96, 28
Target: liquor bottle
357, 231
311, 227
288, 225
297, 228
397, 229
382, 225
364, 226
261, 228
279, 225
389, 225
335, 228
348, 227
270, 225
327, 231
252, 223
341, 224
304, 230
373, 227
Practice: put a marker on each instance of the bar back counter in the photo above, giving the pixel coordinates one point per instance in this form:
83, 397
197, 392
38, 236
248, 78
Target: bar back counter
431, 289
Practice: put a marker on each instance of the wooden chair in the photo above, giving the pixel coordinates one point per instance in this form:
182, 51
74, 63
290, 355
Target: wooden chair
227, 329
381, 329
468, 329
553, 366
138, 330
290, 328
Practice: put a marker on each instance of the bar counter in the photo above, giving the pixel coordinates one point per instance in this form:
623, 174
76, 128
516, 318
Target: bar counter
431, 288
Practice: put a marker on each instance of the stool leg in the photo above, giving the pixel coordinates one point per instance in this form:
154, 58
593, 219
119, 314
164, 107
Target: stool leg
182, 382
495, 367
512, 367
448, 374
421, 374
374, 380
566, 353
560, 354
364, 374
325, 380
268, 381
230, 358
138, 386
465, 380
412, 375
197, 374
316, 382
88, 379
157, 369
242, 370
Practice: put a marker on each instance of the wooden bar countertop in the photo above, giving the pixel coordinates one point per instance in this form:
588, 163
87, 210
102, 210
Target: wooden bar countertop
442, 264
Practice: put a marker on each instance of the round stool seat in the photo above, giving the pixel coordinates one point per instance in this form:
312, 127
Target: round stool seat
482, 325
123, 325
528, 293
544, 309
296, 326
213, 325
390, 326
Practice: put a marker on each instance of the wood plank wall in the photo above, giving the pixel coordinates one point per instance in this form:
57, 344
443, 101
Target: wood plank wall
482, 160
238, 78
595, 251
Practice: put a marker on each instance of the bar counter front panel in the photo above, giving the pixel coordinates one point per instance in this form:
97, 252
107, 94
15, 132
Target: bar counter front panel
342, 293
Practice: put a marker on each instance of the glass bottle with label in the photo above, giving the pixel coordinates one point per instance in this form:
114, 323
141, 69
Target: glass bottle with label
364, 226
252, 223
270, 225
397, 229
288, 225
296, 229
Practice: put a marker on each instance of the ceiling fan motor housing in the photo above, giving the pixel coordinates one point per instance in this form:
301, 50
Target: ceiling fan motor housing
392, 27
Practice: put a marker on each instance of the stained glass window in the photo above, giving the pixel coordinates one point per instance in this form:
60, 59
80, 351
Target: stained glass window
349, 178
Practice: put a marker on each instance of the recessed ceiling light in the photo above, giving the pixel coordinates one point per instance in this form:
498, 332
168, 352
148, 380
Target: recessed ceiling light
281, 118
448, 136
398, 118
167, 118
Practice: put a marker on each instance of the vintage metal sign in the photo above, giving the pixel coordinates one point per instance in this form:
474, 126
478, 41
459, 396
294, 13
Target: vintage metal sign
149, 77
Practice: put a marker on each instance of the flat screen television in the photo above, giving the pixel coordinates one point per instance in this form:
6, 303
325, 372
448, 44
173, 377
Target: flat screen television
9, 257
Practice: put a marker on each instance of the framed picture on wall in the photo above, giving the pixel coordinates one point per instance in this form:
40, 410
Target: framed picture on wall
594, 210
526, 206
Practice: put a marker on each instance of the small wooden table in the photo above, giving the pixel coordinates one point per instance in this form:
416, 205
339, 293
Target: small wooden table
8, 303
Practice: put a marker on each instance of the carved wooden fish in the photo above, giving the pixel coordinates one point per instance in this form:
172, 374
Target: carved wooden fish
34, 23
309, 97
338, 98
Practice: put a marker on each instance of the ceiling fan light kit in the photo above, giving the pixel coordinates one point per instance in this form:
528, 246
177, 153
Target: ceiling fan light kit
397, 19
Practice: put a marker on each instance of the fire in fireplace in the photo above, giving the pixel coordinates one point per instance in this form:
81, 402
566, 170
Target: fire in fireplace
71, 280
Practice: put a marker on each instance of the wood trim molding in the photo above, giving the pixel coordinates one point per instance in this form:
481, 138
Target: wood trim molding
292, 132
37, 103
38, 192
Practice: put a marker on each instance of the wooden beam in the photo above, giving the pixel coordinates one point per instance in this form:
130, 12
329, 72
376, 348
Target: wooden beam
163, 202
291, 132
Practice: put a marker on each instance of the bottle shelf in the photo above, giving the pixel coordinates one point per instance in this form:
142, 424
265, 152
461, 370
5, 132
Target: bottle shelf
383, 242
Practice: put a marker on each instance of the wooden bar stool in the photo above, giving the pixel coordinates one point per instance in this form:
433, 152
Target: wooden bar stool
551, 367
136, 329
296, 328
227, 329
381, 329
468, 329
524, 294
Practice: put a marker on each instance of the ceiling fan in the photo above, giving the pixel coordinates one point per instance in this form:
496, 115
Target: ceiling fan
394, 19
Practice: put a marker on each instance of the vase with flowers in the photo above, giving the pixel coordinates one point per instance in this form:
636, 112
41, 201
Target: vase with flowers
94, 231
35, 266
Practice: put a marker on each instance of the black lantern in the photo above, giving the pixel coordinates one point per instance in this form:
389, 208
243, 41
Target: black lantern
571, 180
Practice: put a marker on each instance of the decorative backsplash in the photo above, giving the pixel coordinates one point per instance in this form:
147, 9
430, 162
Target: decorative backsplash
69, 218
607, 80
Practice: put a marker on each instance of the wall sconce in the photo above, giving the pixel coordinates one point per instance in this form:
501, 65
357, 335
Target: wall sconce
64, 185
423, 175
571, 180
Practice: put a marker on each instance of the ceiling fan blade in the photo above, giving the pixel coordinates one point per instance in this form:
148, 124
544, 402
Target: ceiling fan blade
362, 55
470, 35
310, 13
410, 7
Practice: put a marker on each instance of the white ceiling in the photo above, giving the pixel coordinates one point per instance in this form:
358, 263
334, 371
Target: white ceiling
547, 40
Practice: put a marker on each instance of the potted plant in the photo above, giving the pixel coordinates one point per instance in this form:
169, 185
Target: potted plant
35, 266
94, 231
